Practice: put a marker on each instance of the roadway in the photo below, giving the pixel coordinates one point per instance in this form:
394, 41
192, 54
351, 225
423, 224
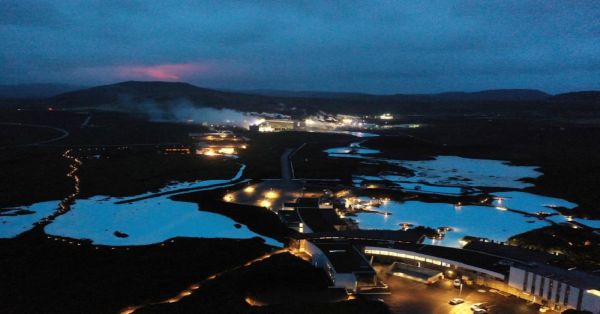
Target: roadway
409, 296
287, 168
286, 164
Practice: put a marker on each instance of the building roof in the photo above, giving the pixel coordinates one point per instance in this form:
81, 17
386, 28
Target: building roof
574, 278
509, 251
410, 236
312, 202
468, 257
414, 271
320, 219
344, 257
290, 216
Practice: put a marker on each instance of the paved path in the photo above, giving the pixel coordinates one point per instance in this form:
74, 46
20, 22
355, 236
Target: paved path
287, 169
86, 122
286, 164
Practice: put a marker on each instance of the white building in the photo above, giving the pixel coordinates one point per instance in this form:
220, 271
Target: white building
557, 288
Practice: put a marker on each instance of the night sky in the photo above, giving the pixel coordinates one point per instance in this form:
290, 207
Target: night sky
368, 46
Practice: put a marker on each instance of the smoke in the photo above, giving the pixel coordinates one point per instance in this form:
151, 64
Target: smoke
182, 110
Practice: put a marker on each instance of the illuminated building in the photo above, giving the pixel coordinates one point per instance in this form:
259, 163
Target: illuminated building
344, 264
276, 125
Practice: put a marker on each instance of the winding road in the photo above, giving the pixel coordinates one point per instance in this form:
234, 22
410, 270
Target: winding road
64, 133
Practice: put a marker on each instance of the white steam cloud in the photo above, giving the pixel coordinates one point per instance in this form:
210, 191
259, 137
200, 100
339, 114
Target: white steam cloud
184, 111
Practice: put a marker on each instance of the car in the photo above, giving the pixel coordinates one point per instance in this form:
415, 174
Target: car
479, 308
456, 301
456, 283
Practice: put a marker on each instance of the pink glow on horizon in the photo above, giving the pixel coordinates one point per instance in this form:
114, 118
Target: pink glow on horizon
163, 72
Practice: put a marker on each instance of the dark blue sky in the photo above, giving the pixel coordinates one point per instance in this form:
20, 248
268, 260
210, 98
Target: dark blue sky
369, 46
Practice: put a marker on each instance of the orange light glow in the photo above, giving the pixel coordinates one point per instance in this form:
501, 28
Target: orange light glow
265, 203
272, 195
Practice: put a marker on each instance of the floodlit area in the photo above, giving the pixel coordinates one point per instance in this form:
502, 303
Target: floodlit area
271, 194
220, 143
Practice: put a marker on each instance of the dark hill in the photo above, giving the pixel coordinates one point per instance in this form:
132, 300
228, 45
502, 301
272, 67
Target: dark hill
497, 95
132, 95
583, 96
485, 95
128, 95
35, 90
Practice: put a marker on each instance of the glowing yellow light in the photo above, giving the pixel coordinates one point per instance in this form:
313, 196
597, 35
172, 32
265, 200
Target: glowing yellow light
309, 122
130, 309
249, 189
228, 198
265, 128
227, 150
210, 152
265, 203
347, 121
386, 116
501, 208
594, 292
272, 195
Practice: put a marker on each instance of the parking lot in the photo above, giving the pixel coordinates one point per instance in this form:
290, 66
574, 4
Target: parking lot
409, 296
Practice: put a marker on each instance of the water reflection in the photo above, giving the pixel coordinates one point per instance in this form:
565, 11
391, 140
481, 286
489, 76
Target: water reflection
479, 221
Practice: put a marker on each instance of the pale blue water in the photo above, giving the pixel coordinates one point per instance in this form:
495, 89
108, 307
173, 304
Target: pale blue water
479, 221
11, 226
148, 221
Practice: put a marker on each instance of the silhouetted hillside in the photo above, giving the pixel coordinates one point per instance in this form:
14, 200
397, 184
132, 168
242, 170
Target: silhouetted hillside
35, 90
130, 96
491, 95
583, 96
497, 95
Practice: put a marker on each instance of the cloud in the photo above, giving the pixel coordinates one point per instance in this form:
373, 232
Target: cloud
163, 72
381, 47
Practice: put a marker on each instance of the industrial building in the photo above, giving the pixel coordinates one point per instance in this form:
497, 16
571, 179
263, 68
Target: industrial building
277, 125
557, 288
221, 143
422, 274
344, 264
310, 215
548, 285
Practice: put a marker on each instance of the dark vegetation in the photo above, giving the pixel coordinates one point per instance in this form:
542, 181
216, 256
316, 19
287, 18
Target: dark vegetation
257, 219
282, 284
125, 173
582, 247
121, 156
264, 150
40, 275
33, 175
